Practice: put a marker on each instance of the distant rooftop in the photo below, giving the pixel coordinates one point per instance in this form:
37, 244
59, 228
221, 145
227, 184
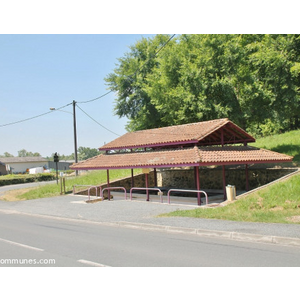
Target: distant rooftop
8, 160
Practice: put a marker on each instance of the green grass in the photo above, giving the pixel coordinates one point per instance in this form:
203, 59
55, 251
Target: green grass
279, 203
273, 204
91, 178
287, 143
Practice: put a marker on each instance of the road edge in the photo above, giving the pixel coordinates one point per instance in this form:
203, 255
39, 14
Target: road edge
231, 235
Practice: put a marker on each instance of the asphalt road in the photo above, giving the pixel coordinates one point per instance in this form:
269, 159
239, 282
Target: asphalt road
52, 242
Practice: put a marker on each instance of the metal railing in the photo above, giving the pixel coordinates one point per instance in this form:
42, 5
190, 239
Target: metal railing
89, 189
94, 187
113, 188
192, 191
75, 185
147, 189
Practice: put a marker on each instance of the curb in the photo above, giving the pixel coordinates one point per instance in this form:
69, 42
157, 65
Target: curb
246, 237
232, 235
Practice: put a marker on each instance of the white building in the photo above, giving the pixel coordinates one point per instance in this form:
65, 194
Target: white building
22, 164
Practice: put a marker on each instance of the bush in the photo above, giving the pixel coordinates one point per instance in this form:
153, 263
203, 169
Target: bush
19, 179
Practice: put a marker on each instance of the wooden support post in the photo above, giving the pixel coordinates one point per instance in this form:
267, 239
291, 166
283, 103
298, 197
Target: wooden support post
247, 177
223, 167
108, 191
198, 184
147, 185
155, 177
224, 182
132, 179
195, 177
222, 137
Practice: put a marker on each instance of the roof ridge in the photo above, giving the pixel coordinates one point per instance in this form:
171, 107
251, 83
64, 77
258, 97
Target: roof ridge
222, 121
170, 126
190, 133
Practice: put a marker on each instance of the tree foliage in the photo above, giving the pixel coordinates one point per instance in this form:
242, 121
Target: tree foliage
83, 154
253, 80
25, 153
6, 154
129, 81
86, 152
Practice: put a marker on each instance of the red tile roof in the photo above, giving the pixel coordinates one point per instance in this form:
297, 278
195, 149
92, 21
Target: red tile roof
202, 133
195, 156
240, 155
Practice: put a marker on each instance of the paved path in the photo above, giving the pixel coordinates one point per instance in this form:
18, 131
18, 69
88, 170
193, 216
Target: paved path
143, 214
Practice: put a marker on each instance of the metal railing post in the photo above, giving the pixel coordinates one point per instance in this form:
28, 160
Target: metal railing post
191, 191
147, 189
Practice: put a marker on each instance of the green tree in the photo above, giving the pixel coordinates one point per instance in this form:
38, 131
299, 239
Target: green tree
6, 154
203, 77
129, 80
25, 153
83, 153
86, 152
251, 79
275, 66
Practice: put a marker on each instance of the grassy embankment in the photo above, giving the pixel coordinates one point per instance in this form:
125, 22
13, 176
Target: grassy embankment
287, 143
278, 203
51, 190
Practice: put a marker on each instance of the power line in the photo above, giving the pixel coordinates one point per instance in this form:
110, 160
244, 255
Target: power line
110, 91
138, 70
95, 98
28, 119
164, 45
96, 121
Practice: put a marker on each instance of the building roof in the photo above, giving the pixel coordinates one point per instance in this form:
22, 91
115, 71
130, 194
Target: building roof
194, 156
9, 160
214, 132
195, 144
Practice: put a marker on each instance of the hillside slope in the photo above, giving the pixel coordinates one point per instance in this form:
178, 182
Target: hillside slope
287, 143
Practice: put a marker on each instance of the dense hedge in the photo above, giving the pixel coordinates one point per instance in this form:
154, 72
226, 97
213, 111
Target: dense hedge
17, 179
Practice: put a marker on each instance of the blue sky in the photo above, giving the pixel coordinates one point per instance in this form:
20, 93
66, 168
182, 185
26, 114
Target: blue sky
42, 71
53, 54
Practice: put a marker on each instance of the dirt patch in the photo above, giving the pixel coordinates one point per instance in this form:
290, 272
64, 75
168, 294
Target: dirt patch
276, 208
295, 219
15, 195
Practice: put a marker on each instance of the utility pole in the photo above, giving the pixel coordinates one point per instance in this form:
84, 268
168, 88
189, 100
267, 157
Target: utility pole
75, 134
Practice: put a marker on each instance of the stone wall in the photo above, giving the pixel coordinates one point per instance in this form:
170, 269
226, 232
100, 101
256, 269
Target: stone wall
139, 181
212, 178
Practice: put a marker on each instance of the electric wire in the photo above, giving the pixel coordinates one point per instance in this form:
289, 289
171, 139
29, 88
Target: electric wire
110, 91
135, 73
155, 54
96, 121
96, 98
34, 117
